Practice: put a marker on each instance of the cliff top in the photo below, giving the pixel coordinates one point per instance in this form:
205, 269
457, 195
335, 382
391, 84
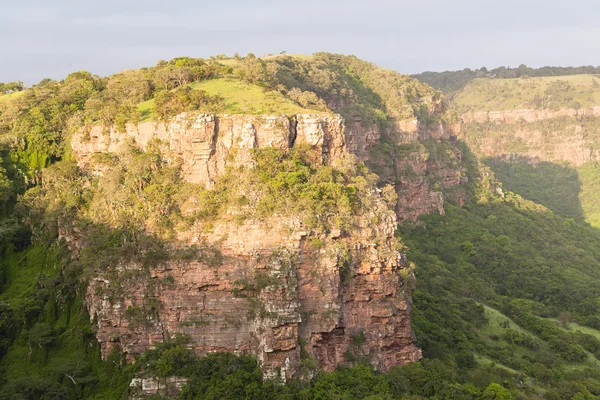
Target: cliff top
5, 98
239, 97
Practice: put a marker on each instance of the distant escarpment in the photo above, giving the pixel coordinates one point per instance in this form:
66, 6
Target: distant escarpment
552, 119
565, 134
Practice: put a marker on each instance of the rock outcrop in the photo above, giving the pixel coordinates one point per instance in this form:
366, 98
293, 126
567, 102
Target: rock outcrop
268, 288
272, 288
206, 143
559, 135
527, 115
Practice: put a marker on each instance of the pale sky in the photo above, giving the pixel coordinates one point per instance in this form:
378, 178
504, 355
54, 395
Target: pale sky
51, 38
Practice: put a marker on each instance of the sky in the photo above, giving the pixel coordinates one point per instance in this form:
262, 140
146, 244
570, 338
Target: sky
51, 38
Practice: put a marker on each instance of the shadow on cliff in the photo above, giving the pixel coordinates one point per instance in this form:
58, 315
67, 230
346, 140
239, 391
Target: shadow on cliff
556, 186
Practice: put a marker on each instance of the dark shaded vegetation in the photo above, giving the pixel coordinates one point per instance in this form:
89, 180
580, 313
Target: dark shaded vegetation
553, 185
495, 278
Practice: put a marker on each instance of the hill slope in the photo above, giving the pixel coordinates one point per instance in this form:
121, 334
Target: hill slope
540, 135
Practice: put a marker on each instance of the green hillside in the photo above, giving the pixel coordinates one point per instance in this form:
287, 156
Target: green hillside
5, 98
529, 157
553, 92
451, 82
523, 264
239, 97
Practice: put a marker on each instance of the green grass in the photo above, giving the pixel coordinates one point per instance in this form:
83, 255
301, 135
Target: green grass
5, 98
240, 98
497, 325
146, 109
496, 321
589, 175
244, 98
575, 327
485, 94
485, 361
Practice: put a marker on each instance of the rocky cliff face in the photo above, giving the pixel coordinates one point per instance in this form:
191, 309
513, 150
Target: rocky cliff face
565, 134
271, 288
206, 144
527, 115
268, 288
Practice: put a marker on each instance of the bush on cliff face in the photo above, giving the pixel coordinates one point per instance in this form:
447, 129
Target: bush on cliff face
141, 191
170, 103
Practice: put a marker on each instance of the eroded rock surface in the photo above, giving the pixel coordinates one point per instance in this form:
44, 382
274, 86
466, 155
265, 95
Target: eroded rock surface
205, 143
273, 287
559, 135
265, 288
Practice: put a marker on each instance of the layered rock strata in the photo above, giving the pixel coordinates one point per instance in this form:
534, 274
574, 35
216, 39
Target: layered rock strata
271, 288
205, 144
544, 135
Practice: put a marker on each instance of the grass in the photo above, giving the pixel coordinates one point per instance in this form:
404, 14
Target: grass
244, 98
5, 98
240, 98
552, 92
146, 109
575, 327
589, 175
485, 361
496, 322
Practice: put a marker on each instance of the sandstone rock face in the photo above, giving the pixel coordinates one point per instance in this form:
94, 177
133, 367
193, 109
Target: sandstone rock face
528, 115
265, 288
205, 144
271, 288
549, 135
146, 387
413, 172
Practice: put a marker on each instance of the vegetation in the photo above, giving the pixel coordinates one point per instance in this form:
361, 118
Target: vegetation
11, 87
572, 91
508, 289
450, 82
490, 274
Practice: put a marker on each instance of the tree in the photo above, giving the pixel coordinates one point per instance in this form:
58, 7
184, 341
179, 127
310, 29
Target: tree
41, 335
496, 392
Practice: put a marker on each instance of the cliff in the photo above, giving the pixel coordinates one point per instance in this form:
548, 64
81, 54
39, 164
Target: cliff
547, 135
206, 144
268, 290
270, 286
549, 118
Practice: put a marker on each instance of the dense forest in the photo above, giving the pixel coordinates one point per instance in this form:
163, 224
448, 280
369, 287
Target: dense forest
507, 298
